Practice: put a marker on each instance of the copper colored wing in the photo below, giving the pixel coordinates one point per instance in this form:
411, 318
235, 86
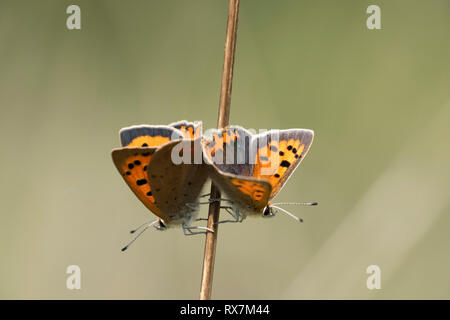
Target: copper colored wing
228, 154
139, 144
190, 130
248, 192
279, 154
132, 164
228, 150
175, 177
148, 136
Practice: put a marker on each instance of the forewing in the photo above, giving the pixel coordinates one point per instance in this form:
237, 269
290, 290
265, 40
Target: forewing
190, 130
139, 144
228, 151
279, 154
132, 164
148, 136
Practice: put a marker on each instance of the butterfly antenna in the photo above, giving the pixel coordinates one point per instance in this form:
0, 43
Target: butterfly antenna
288, 213
298, 203
145, 223
139, 234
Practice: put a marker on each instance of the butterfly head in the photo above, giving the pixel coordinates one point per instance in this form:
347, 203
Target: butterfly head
268, 211
160, 225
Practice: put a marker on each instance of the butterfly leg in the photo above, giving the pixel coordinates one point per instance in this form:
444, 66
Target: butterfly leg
190, 228
205, 195
237, 215
193, 206
234, 214
189, 232
187, 228
227, 209
214, 200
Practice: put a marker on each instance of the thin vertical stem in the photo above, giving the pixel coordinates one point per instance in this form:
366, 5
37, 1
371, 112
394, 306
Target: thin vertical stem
224, 115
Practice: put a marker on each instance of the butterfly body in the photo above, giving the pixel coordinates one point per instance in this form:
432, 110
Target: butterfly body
252, 169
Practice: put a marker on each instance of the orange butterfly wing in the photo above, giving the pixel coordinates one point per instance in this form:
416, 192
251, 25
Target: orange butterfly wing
139, 144
177, 185
190, 130
228, 155
279, 154
248, 192
132, 164
272, 158
148, 136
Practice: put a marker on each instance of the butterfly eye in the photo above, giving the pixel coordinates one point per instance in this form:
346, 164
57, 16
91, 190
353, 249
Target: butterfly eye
268, 212
161, 226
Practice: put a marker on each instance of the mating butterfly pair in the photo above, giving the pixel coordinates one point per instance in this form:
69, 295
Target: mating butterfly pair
171, 191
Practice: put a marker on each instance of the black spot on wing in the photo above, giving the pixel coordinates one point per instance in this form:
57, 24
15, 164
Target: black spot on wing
285, 164
141, 182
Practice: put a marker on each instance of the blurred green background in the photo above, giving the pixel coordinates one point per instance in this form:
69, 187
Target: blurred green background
378, 100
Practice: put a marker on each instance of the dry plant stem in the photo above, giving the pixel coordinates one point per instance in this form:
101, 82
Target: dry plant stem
224, 115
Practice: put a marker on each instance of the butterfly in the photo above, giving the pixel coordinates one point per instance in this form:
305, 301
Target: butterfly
252, 169
167, 189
